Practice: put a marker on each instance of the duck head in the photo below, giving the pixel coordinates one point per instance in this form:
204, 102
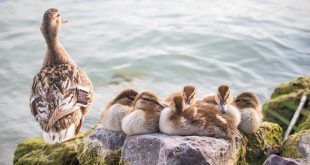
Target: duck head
51, 24
224, 97
246, 100
189, 94
178, 104
148, 102
126, 97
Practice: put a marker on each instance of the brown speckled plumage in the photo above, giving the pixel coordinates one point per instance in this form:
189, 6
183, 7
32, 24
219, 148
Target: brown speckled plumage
59, 85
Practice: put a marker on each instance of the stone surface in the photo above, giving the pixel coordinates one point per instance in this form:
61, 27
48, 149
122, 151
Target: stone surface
101, 147
37, 151
297, 146
278, 160
284, 102
164, 149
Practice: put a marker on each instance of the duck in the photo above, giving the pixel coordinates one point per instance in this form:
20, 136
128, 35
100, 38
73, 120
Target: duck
114, 112
201, 120
251, 116
144, 117
224, 99
189, 94
61, 92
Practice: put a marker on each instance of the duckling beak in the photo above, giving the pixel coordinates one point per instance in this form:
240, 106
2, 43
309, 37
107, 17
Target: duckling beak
187, 101
223, 106
160, 107
63, 21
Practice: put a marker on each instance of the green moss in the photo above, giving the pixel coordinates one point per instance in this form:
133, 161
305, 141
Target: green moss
90, 152
37, 151
241, 154
284, 102
289, 148
301, 83
266, 141
306, 124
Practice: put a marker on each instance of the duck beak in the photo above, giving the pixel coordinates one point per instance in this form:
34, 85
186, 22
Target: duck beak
223, 106
63, 21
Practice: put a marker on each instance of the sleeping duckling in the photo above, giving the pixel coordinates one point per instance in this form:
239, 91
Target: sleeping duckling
202, 120
224, 99
189, 94
144, 117
61, 92
114, 112
251, 116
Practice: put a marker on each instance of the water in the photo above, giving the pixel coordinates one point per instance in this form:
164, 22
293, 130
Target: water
151, 45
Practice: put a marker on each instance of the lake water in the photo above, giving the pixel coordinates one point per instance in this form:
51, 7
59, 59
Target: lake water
151, 45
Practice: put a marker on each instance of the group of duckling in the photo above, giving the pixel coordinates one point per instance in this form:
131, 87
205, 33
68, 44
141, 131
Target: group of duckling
62, 93
217, 115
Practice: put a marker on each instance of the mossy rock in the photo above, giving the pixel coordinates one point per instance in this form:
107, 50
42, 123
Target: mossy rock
258, 146
37, 151
90, 152
291, 149
284, 102
101, 147
300, 84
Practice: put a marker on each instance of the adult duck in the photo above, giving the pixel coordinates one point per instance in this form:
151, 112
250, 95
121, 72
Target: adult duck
61, 92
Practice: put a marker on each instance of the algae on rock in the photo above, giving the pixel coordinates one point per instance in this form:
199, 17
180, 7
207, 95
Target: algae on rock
258, 146
101, 147
297, 146
284, 102
37, 151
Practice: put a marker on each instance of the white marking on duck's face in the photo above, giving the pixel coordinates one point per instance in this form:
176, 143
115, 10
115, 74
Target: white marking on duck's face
221, 119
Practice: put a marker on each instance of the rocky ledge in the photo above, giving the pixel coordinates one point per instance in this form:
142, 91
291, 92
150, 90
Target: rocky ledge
100, 146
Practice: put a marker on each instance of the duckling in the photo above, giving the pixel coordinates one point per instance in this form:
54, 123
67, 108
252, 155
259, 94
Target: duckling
202, 120
251, 116
224, 99
61, 92
189, 94
144, 117
114, 112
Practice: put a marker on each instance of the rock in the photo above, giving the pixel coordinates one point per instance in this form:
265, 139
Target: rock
284, 102
297, 146
37, 151
164, 149
101, 147
278, 160
267, 140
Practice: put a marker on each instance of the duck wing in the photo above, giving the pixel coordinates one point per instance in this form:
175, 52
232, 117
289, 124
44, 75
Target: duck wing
58, 91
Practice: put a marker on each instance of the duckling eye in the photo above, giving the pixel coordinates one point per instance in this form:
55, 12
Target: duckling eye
58, 15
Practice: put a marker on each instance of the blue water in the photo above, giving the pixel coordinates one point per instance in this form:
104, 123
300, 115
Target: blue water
151, 45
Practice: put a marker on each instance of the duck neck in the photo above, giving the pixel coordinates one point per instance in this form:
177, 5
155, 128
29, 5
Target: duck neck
56, 53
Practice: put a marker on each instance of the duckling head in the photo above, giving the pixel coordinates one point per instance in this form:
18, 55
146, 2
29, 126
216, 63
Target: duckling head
148, 102
189, 94
178, 104
224, 97
246, 100
51, 24
126, 97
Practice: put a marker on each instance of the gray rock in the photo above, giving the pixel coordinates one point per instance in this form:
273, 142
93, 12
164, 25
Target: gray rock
163, 149
304, 145
278, 160
101, 147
